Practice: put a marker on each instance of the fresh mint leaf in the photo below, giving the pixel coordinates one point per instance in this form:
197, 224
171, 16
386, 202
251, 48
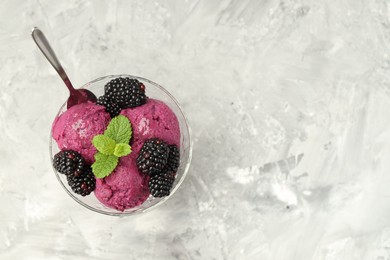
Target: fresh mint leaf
114, 143
119, 129
104, 165
122, 150
104, 144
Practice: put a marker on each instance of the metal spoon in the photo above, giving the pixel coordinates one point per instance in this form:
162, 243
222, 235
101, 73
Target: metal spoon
77, 96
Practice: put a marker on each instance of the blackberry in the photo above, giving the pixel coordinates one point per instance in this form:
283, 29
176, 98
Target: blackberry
111, 107
153, 156
160, 185
173, 159
84, 183
69, 162
126, 92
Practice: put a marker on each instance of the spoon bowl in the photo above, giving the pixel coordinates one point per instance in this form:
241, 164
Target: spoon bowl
82, 96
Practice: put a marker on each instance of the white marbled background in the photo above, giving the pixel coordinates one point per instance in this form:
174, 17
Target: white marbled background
289, 104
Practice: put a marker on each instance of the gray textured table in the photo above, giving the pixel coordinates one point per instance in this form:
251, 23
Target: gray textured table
289, 106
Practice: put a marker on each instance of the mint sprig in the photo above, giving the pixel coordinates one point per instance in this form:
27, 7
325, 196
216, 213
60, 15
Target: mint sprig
111, 145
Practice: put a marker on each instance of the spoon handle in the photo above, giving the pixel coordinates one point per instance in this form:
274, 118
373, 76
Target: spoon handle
44, 46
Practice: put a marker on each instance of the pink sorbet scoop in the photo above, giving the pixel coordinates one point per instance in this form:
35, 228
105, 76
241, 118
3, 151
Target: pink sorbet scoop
75, 128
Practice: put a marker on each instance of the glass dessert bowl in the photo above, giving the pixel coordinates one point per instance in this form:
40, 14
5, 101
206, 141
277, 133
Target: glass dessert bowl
153, 92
